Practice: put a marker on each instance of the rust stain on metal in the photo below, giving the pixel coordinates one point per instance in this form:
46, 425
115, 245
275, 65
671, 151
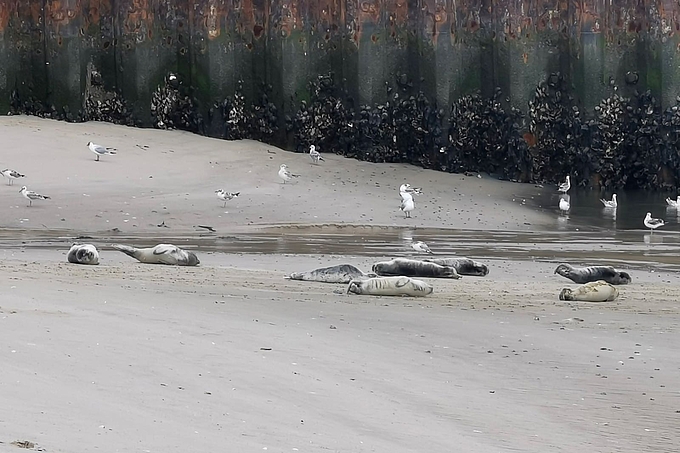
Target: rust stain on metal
429, 30
137, 17
440, 18
36, 13
368, 11
211, 20
95, 10
589, 19
397, 13
669, 13
289, 17
59, 13
469, 16
7, 9
260, 19
397, 10
319, 15
207, 17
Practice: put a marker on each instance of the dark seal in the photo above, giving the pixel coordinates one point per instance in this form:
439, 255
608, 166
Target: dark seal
592, 274
413, 268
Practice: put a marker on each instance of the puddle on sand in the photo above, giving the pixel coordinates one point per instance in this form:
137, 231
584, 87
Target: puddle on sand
632, 248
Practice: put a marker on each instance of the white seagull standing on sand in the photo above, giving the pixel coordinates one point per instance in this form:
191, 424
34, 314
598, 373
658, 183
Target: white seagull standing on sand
564, 205
285, 174
314, 154
565, 186
407, 204
226, 196
30, 195
11, 175
673, 203
100, 150
610, 204
421, 247
653, 224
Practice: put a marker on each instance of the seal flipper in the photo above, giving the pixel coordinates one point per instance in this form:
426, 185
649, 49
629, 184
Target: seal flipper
130, 251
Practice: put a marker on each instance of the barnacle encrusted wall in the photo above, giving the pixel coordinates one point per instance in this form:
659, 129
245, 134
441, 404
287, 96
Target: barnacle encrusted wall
525, 90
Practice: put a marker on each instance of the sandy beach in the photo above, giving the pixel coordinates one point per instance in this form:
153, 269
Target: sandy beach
171, 176
230, 356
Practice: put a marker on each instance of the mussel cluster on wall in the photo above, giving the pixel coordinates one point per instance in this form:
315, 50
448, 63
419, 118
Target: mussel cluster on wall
258, 121
32, 105
174, 107
103, 105
324, 121
623, 143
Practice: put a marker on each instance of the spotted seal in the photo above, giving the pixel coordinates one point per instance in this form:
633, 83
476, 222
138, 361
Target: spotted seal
598, 291
464, 266
413, 268
593, 274
83, 254
389, 286
160, 254
343, 273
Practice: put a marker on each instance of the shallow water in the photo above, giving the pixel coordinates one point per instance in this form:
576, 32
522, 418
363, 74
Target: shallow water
587, 212
587, 234
633, 248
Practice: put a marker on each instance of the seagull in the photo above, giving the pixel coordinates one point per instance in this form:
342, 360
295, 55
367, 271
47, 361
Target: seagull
226, 196
421, 247
610, 204
11, 175
100, 150
565, 186
653, 224
30, 195
407, 204
285, 174
564, 205
315, 155
673, 204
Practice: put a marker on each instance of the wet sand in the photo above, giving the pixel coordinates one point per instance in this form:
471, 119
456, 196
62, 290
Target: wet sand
231, 356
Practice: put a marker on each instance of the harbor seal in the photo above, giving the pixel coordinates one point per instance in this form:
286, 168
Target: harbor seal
599, 291
390, 286
343, 273
413, 268
83, 254
464, 266
160, 254
593, 274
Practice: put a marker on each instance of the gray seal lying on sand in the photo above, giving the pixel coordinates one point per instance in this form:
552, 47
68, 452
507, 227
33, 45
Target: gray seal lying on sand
599, 291
464, 266
390, 286
83, 254
414, 268
593, 274
343, 273
160, 254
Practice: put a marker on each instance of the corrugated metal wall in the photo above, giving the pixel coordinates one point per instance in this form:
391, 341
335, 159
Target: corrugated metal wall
442, 48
